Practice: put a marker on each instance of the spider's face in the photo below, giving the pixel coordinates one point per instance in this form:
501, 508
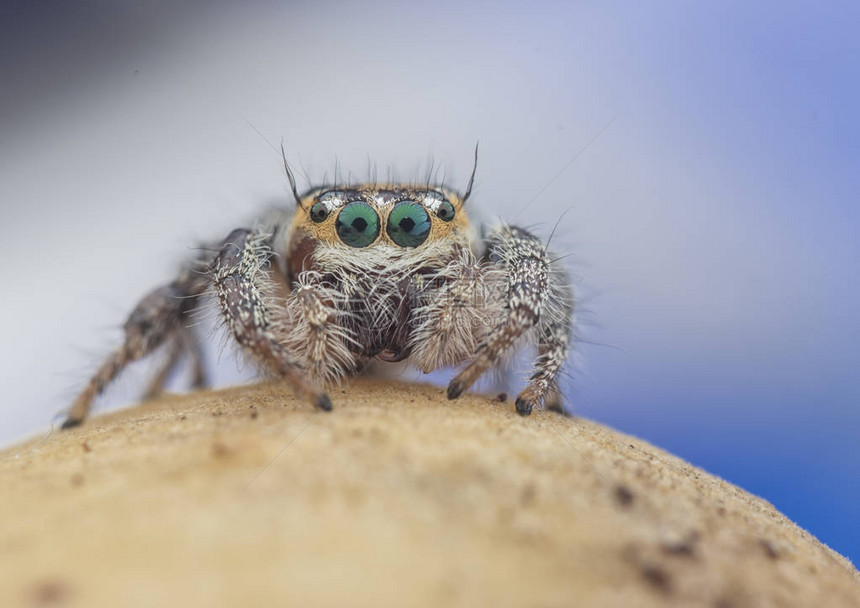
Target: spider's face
390, 228
372, 216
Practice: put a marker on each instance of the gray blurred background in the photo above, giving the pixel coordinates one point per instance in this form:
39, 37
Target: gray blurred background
713, 224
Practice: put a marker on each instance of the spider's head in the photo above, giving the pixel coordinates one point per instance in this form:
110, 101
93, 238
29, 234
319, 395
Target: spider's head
372, 215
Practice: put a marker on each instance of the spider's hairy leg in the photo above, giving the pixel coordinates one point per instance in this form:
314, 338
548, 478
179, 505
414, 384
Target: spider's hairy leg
158, 381
531, 288
199, 375
183, 342
241, 276
157, 317
449, 311
554, 331
312, 323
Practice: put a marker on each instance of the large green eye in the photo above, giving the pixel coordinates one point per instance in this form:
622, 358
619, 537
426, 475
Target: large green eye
319, 212
408, 224
357, 224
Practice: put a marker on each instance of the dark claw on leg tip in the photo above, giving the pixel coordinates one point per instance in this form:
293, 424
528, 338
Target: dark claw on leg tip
323, 402
455, 389
70, 423
524, 408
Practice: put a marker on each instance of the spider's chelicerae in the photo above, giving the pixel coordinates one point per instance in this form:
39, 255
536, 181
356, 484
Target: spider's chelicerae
352, 274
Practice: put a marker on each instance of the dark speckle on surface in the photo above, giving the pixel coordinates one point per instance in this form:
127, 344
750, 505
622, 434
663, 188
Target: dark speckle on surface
51, 592
527, 496
769, 548
657, 577
623, 495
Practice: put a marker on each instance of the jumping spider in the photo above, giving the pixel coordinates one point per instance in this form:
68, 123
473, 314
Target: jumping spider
352, 274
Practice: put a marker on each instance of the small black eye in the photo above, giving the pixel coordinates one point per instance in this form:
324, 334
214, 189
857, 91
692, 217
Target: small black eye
319, 212
408, 224
358, 224
445, 211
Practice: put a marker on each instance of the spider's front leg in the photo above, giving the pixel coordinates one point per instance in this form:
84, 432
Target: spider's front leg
537, 293
241, 276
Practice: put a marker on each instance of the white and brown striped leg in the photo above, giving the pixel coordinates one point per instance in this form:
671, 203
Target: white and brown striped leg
245, 292
554, 335
532, 293
543, 385
156, 318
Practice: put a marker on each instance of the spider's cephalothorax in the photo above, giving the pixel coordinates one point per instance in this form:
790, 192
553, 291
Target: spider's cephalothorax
360, 273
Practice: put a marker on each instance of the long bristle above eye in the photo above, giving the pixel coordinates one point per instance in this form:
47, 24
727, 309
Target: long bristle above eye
290, 177
472, 178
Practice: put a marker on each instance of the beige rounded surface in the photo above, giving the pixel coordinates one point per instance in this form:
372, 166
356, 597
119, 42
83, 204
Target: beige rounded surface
246, 497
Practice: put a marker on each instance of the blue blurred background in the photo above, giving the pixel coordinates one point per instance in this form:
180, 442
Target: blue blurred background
713, 223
